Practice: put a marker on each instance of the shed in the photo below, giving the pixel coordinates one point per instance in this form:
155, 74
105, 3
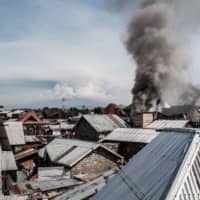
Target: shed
165, 169
13, 132
94, 127
130, 140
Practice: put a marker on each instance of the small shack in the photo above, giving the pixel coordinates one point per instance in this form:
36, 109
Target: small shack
94, 127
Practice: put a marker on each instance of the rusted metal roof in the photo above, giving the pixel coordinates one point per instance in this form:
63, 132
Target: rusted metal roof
134, 135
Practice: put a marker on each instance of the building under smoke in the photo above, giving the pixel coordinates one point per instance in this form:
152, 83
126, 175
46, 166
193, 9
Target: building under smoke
153, 44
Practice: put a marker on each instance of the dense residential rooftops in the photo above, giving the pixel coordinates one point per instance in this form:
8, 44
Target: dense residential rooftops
163, 169
68, 151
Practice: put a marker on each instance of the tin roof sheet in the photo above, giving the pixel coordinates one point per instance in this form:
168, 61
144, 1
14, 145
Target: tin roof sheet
159, 124
57, 183
151, 172
14, 132
104, 123
8, 161
66, 151
69, 151
135, 135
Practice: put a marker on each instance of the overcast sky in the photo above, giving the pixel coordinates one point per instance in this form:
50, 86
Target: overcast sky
73, 49
50, 49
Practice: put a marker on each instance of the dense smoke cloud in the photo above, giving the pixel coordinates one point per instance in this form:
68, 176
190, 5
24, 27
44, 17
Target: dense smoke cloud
153, 42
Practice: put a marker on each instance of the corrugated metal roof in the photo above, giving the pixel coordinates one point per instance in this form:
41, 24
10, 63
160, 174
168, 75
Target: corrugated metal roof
50, 172
104, 123
86, 190
69, 151
66, 151
159, 124
136, 135
14, 132
57, 183
13, 198
187, 182
151, 172
8, 161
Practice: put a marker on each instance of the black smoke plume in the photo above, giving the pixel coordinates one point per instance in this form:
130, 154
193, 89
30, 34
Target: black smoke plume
152, 42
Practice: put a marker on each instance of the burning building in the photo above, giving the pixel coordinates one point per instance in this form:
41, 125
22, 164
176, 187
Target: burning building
154, 44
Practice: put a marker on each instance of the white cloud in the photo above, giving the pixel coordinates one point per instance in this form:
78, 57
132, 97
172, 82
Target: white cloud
92, 90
